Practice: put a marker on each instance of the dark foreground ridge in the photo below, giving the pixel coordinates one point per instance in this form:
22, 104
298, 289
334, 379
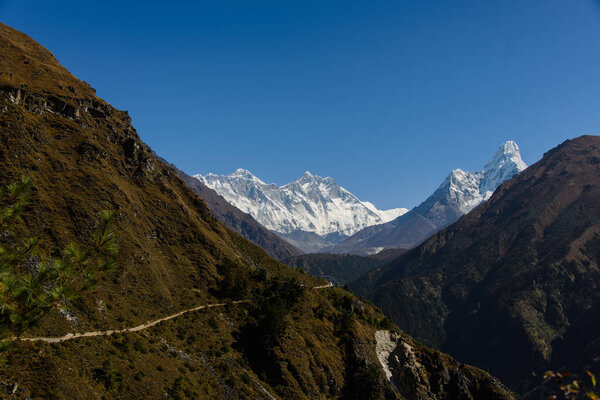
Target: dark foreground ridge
512, 286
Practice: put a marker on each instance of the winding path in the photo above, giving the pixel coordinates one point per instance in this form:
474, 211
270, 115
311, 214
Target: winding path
71, 336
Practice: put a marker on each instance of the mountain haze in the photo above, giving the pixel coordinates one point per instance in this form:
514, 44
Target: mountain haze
182, 269
458, 194
311, 205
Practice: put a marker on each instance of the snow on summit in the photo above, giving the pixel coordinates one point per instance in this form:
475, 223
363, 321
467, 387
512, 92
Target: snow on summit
462, 191
310, 203
458, 194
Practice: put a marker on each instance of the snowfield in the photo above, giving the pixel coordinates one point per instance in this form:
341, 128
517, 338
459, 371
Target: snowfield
310, 203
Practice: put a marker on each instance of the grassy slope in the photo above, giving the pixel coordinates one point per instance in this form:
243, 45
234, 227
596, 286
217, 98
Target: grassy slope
85, 156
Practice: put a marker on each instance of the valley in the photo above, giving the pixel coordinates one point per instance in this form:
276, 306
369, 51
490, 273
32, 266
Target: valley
445, 246
191, 309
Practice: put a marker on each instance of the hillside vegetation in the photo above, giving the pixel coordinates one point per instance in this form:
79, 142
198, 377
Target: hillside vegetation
512, 286
341, 268
287, 341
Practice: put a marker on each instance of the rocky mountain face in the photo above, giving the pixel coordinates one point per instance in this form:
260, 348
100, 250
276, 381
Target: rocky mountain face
309, 206
284, 340
460, 192
511, 287
237, 220
411, 369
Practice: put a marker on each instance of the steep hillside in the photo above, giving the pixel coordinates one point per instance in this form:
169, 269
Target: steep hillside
281, 339
460, 192
237, 220
512, 286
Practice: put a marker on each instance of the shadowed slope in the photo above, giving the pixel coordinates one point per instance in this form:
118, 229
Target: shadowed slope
508, 286
341, 268
238, 220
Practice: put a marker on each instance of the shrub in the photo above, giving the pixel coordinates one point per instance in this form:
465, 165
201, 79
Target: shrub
572, 389
267, 323
108, 375
234, 284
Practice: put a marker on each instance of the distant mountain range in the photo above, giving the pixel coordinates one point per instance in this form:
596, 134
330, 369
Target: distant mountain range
311, 212
460, 192
177, 266
238, 220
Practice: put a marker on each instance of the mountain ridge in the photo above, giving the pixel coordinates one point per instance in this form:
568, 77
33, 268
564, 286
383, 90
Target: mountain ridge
511, 286
84, 156
310, 203
459, 193
237, 220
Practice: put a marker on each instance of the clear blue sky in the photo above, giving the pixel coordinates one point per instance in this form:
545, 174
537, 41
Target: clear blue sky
385, 96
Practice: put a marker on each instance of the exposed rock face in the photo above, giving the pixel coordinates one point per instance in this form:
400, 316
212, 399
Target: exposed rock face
460, 192
422, 374
512, 286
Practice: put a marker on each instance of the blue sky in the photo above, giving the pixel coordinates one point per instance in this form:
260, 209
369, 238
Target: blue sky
385, 96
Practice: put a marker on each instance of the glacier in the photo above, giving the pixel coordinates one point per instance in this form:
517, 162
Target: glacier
310, 203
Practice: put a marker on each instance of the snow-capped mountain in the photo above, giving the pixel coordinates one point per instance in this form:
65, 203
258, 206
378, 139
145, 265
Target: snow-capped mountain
462, 191
458, 194
309, 204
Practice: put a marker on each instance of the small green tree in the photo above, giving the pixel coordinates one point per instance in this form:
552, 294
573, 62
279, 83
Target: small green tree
108, 374
234, 284
31, 286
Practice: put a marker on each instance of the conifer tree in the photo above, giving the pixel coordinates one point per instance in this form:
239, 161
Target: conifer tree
31, 286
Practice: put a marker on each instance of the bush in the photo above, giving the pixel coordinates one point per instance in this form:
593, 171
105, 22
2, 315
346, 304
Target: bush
267, 323
234, 284
108, 375
176, 390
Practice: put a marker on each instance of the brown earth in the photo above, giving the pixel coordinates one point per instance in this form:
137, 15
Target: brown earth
84, 156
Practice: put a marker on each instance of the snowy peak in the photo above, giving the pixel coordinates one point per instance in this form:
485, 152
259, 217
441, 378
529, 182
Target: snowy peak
505, 164
310, 203
241, 173
458, 194
310, 179
508, 156
464, 190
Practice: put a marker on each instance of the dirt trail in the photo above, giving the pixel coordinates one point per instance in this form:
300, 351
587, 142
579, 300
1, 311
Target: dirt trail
71, 336
323, 286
